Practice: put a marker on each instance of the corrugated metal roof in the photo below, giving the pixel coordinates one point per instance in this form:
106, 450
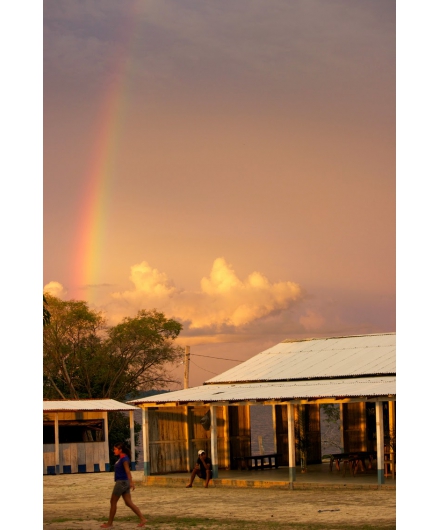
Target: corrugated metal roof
352, 387
85, 405
289, 360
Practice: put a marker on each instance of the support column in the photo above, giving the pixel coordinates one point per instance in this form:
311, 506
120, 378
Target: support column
188, 441
146, 442
274, 429
227, 451
133, 447
106, 446
392, 428
57, 445
214, 452
291, 438
380, 443
341, 425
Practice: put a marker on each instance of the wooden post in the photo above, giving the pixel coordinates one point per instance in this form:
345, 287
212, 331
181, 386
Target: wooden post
227, 450
133, 447
188, 441
341, 425
392, 428
146, 442
274, 429
106, 447
214, 452
380, 443
186, 373
57, 446
291, 438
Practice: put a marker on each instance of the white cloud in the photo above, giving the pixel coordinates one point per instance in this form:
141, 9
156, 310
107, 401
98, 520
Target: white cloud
55, 289
223, 300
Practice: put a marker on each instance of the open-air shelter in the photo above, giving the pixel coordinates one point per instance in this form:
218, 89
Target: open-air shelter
75, 435
294, 377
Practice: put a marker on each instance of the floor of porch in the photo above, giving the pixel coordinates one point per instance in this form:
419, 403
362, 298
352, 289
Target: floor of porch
317, 476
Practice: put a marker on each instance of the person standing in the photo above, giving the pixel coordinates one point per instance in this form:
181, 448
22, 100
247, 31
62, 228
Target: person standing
123, 484
202, 469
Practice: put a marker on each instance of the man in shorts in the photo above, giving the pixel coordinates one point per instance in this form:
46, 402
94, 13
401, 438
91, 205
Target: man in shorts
202, 469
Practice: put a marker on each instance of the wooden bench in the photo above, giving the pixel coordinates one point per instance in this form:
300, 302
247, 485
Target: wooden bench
258, 461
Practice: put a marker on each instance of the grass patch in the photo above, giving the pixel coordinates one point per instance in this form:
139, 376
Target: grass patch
207, 523
199, 523
64, 520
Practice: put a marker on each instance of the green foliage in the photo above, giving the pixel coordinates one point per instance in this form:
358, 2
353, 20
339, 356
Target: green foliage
119, 431
83, 358
46, 313
331, 412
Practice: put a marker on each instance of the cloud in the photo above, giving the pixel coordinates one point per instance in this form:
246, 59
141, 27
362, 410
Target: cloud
223, 301
55, 289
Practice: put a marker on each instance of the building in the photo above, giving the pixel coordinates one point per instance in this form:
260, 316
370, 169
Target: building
75, 435
294, 377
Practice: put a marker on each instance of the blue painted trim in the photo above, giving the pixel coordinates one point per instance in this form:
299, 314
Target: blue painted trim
380, 476
107, 466
96, 468
67, 469
292, 474
147, 469
51, 470
215, 471
133, 466
81, 468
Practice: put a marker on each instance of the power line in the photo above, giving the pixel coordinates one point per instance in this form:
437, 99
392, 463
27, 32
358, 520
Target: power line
209, 371
220, 358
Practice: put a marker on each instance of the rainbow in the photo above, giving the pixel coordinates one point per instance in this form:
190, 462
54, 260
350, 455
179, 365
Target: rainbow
100, 173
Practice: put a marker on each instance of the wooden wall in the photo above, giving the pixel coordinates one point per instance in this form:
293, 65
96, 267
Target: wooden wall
360, 426
355, 427
239, 432
73, 455
175, 431
313, 434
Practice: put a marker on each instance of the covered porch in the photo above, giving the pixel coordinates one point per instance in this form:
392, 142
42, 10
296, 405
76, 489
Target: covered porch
172, 434
317, 476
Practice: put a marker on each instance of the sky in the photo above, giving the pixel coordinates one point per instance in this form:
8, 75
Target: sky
232, 164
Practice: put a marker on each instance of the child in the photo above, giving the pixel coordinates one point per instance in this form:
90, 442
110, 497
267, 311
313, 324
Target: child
123, 484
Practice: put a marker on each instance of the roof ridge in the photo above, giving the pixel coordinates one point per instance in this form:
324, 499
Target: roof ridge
338, 337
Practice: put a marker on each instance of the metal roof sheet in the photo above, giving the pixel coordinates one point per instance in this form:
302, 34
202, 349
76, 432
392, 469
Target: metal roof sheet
86, 405
332, 388
339, 357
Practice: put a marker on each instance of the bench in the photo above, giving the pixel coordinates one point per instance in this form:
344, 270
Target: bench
258, 461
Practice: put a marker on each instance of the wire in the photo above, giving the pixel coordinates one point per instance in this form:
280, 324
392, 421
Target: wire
221, 358
203, 368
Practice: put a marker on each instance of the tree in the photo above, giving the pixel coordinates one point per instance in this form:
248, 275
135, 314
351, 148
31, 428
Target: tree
83, 358
46, 313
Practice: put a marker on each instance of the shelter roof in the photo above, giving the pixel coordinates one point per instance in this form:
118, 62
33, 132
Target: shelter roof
364, 387
336, 357
86, 405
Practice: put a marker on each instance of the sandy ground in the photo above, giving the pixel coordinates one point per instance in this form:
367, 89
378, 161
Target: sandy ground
82, 502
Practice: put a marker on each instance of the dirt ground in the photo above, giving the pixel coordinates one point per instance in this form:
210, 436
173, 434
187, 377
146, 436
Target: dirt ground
81, 502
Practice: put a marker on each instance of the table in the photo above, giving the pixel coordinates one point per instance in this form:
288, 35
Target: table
352, 460
258, 461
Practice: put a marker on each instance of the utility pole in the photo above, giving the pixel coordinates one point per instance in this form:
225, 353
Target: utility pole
186, 374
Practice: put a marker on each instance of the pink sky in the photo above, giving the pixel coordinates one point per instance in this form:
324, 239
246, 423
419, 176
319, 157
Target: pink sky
230, 163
